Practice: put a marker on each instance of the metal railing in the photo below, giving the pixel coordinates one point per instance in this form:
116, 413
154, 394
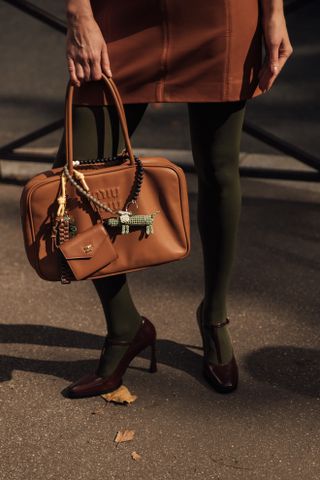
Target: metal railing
8, 151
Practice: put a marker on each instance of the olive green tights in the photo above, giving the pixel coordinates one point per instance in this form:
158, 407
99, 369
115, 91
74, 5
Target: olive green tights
215, 130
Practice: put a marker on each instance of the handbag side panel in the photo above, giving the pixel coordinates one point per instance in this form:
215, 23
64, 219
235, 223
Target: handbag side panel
38, 203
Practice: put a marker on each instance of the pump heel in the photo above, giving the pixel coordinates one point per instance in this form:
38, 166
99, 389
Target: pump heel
93, 384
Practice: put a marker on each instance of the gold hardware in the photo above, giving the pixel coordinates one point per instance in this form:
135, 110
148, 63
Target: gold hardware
88, 248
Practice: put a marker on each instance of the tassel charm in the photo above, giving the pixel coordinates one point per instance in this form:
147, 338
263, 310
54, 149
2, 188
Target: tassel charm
80, 177
62, 216
62, 199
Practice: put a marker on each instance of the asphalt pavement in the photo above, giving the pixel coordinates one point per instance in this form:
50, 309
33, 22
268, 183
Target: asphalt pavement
268, 429
51, 334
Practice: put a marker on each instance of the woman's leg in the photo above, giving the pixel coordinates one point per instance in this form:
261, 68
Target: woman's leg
215, 130
97, 134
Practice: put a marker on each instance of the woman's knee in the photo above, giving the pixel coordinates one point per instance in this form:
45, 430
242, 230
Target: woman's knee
215, 130
218, 176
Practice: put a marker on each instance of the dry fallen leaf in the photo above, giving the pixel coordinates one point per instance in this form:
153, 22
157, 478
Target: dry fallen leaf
120, 395
124, 436
135, 456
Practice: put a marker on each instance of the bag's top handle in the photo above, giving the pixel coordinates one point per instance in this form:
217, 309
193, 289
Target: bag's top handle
109, 83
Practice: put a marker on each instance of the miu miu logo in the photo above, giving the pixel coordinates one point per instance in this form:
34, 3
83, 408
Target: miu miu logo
110, 196
88, 248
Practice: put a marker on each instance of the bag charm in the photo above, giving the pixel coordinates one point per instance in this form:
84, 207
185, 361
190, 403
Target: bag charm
125, 219
64, 226
63, 229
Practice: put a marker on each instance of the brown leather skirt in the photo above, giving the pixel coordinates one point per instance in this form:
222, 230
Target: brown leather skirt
180, 50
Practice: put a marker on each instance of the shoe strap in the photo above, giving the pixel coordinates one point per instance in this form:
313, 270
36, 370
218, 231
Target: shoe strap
218, 325
113, 341
212, 329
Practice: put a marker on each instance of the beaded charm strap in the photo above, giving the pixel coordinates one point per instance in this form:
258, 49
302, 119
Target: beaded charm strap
124, 218
83, 187
64, 235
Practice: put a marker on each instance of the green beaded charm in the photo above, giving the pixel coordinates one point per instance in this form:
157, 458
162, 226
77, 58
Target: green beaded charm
127, 219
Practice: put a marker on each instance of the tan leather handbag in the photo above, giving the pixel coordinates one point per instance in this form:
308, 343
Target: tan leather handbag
116, 215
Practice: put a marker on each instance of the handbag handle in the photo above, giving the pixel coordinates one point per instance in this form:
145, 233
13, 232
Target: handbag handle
111, 86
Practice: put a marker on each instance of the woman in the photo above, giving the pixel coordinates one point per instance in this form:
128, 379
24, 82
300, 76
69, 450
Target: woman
205, 53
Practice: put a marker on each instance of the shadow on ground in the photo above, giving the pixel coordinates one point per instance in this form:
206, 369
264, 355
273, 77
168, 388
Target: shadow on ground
293, 368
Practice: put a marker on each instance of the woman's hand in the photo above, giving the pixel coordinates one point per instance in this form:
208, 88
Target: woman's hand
277, 45
87, 53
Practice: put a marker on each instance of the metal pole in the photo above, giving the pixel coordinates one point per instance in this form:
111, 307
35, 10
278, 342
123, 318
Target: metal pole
30, 137
271, 173
282, 145
40, 14
28, 157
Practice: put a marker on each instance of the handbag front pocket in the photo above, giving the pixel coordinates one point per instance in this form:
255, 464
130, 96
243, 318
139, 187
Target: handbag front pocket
88, 251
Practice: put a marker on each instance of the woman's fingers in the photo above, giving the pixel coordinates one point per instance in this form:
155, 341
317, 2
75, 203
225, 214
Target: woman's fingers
273, 59
105, 62
84, 68
267, 78
266, 74
278, 50
273, 64
72, 72
87, 52
79, 72
262, 69
95, 70
83, 61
